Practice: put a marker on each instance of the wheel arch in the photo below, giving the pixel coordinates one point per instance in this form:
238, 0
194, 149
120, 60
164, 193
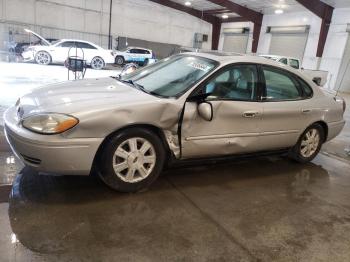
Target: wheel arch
154, 129
324, 125
98, 56
42, 50
119, 55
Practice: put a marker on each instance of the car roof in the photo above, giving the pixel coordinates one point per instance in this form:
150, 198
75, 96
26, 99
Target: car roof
78, 40
229, 58
135, 47
279, 56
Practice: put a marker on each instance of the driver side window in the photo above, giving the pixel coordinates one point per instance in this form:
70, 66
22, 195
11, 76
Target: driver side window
234, 83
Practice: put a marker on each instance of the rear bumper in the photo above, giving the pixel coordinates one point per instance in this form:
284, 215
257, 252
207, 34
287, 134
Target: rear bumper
51, 154
334, 129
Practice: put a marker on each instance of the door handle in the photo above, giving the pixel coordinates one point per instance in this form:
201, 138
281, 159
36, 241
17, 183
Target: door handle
250, 114
305, 111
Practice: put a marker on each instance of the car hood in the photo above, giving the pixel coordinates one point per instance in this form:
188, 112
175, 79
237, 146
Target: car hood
38, 36
82, 95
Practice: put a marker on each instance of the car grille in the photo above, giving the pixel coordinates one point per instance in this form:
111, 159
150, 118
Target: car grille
31, 160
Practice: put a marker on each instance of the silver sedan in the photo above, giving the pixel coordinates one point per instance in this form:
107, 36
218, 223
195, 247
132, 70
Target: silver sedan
189, 106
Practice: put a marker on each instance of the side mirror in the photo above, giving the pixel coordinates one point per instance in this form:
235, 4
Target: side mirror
128, 69
205, 110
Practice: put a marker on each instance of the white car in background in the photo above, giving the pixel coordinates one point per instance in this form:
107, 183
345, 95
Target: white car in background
58, 52
319, 77
137, 55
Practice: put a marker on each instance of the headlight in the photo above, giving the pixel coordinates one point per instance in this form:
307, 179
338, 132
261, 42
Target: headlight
49, 123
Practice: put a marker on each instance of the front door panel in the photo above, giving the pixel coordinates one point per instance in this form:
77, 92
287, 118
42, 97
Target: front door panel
229, 132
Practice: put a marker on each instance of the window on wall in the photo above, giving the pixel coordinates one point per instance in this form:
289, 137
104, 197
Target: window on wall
234, 83
280, 85
284, 61
294, 63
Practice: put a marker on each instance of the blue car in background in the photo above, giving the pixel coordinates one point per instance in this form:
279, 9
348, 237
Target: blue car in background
137, 55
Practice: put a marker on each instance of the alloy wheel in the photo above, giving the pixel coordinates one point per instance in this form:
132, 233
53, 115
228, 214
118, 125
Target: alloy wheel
309, 143
119, 60
97, 63
43, 58
134, 160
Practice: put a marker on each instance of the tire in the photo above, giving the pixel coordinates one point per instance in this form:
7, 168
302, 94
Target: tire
145, 62
43, 58
123, 167
97, 63
119, 60
309, 144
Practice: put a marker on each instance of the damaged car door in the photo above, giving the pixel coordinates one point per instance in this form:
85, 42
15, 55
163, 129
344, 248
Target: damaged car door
233, 125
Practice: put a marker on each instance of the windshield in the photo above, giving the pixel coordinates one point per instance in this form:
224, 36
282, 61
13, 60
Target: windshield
172, 76
55, 42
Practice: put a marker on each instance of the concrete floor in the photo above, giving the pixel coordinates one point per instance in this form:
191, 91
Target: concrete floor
267, 209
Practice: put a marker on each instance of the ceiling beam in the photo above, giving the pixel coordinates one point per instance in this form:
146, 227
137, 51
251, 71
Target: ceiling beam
234, 20
243, 11
217, 11
323, 11
248, 15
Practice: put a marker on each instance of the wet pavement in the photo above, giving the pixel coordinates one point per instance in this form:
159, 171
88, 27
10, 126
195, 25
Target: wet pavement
266, 209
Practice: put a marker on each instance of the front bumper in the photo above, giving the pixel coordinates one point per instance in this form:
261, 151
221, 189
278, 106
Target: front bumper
54, 154
28, 56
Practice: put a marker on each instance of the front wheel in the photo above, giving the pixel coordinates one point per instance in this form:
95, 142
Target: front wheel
119, 60
131, 160
97, 63
309, 144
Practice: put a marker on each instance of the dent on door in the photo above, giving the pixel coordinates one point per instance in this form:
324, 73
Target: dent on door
229, 131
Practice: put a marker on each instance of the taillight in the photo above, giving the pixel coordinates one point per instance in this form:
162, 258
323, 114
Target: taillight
339, 99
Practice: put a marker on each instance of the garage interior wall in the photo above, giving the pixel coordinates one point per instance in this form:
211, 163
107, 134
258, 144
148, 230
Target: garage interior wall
288, 44
89, 19
235, 43
335, 47
309, 60
335, 44
248, 37
343, 81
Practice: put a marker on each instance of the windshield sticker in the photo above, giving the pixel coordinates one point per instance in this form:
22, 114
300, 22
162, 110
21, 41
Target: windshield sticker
199, 66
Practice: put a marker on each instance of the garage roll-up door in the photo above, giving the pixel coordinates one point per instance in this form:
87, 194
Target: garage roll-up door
236, 40
288, 41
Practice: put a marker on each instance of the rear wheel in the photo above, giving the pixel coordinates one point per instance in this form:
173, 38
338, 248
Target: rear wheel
97, 63
309, 144
131, 160
42, 58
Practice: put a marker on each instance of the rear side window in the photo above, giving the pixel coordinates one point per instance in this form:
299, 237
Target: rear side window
85, 45
280, 85
68, 44
306, 88
294, 63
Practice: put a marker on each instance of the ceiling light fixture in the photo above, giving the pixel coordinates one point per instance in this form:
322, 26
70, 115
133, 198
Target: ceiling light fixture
279, 11
224, 16
187, 3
